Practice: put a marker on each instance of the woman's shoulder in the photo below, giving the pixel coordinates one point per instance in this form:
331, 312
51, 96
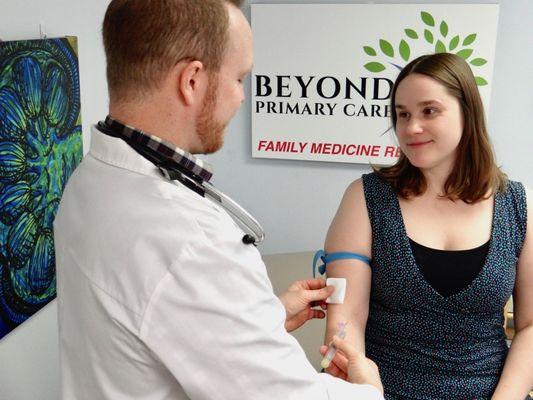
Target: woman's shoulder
518, 186
529, 196
371, 180
528, 193
368, 197
366, 185
376, 189
350, 228
516, 200
516, 191
354, 193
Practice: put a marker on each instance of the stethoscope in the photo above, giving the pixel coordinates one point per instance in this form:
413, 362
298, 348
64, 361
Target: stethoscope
173, 171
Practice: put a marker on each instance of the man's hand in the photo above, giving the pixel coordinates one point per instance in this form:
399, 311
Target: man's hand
300, 299
351, 365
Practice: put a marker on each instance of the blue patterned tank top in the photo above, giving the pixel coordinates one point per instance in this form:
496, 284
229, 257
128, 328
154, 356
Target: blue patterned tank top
428, 346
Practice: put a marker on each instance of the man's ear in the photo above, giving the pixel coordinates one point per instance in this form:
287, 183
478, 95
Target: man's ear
192, 81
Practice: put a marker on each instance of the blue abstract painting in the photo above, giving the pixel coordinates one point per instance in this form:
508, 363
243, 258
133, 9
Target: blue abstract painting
40, 146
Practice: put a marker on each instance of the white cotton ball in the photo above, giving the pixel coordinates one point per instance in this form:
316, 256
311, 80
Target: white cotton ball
340, 290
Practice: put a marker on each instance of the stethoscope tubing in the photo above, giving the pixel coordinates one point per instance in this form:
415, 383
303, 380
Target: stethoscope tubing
177, 173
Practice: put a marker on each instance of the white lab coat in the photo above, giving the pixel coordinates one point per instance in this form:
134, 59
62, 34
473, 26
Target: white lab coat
158, 297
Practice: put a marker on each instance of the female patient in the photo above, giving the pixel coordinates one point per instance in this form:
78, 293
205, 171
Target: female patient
449, 240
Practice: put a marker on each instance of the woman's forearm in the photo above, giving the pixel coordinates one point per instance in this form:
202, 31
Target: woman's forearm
355, 330
354, 310
517, 376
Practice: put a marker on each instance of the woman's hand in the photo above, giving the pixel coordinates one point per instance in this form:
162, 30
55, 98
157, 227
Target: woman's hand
300, 299
351, 365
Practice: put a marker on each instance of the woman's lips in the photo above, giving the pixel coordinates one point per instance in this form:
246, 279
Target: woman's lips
419, 144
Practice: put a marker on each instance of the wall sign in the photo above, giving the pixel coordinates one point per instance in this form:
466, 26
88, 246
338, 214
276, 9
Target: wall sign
323, 73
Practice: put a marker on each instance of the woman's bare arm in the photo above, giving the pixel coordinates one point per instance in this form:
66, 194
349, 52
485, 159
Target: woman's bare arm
350, 231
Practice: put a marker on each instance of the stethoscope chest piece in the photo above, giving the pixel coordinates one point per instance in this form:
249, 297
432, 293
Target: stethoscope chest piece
248, 239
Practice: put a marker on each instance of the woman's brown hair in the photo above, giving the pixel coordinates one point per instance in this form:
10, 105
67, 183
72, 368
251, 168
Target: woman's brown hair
475, 174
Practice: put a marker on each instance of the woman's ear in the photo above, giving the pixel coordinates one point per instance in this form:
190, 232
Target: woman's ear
192, 81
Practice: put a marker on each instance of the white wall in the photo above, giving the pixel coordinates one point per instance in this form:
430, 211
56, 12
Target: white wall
294, 200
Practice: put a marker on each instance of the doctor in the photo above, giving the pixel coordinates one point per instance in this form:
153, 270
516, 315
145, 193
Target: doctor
160, 293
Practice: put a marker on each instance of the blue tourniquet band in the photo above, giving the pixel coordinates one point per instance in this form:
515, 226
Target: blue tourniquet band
340, 255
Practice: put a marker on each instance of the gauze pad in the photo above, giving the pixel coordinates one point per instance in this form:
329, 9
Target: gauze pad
340, 290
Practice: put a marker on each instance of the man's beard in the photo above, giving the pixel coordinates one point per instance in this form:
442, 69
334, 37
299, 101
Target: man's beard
210, 132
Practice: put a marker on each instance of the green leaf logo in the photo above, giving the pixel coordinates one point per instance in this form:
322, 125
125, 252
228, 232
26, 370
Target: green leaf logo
480, 81
469, 39
411, 33
440, 47
405, 50
370, 51
443, 28
375, 67
386, 48
478, 62
454, 43
427, 18
465, 53
428, 36
433, 32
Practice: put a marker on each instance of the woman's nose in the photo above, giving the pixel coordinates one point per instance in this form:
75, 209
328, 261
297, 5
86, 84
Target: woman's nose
414, 126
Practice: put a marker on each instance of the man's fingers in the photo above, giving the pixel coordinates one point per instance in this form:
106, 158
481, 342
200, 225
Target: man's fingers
307, 314
320, 294
322, 304
339, 361
310, 313
336, 371
315, 283
342, 345
333, 369
319, 314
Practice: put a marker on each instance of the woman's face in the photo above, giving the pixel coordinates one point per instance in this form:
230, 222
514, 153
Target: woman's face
429, 123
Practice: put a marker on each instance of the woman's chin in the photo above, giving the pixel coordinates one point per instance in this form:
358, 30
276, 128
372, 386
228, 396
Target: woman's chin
420, 162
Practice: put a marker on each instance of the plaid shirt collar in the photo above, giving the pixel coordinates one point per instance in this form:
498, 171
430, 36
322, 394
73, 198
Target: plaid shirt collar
165, 149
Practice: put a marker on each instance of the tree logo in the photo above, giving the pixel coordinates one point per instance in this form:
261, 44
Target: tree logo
440, 40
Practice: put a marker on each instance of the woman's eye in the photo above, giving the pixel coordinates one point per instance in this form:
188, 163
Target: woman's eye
402, 115
429, 111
